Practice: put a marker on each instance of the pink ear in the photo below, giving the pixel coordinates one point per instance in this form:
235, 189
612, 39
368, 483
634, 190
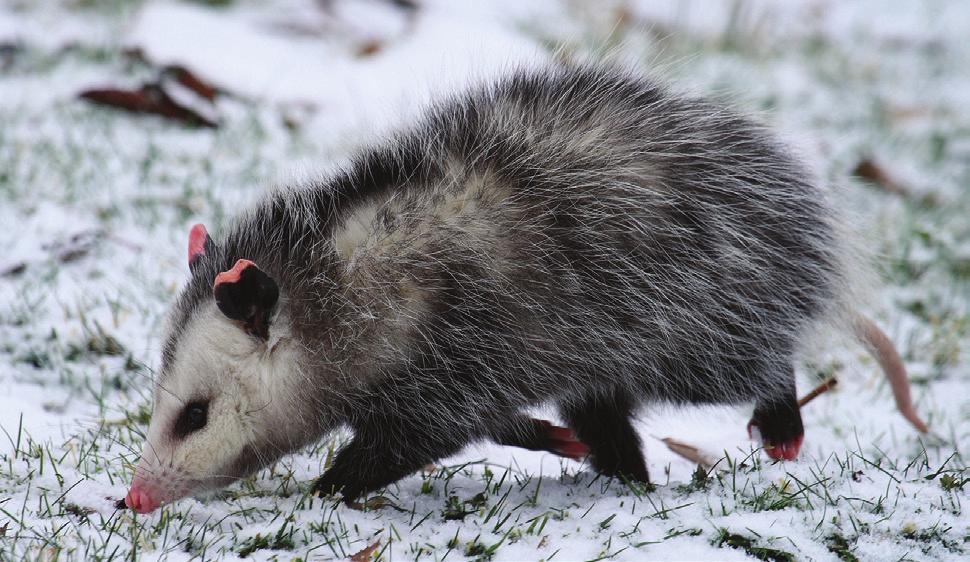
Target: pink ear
197, 242
247, 295
234, 274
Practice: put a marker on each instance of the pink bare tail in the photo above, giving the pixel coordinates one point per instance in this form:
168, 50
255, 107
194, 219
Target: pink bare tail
882, 350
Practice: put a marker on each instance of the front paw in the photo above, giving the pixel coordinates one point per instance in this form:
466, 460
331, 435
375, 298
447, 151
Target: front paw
330, 487
327, 487
780, 442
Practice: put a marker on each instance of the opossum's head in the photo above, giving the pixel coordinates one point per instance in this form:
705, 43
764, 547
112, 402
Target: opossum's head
220, 399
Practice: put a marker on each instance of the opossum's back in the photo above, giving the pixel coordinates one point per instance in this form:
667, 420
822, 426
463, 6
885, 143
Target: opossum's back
582, 220
644, 222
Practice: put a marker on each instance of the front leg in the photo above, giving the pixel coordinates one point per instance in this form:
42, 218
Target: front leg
777, 422
359, 469
379, 455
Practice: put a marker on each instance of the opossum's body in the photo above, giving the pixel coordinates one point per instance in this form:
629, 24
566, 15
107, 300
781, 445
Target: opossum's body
578, 237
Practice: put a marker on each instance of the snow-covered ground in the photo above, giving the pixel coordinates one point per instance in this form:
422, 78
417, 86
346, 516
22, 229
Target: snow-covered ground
95, 206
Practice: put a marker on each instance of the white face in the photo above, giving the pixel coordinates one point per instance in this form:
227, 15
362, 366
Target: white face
211, 410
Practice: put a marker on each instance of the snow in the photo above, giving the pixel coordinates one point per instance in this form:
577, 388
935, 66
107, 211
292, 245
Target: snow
887, 80
48, 29
257, 61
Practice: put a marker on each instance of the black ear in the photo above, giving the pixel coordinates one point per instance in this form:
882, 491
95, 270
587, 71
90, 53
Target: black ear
246, 294
200, 244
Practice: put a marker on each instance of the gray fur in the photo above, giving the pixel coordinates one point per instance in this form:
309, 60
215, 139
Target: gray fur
554, 236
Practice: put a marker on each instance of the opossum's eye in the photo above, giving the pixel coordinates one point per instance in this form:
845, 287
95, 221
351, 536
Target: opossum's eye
193, 417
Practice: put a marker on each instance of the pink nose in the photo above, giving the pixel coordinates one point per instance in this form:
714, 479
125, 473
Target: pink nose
140, 499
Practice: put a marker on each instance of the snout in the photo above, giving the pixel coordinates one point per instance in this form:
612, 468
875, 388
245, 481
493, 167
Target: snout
141, 498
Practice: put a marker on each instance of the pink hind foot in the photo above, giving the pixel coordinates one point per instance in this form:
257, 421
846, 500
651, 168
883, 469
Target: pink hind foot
563, 442
777, 449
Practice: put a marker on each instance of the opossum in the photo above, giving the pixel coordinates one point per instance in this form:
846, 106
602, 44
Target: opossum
574, 236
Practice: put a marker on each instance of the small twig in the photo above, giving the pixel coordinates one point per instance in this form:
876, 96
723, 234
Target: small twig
191, 81
826, 386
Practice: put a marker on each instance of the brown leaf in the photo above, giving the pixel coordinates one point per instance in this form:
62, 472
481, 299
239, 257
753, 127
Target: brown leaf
407, 5
13, 270
689, 452
150, 98
75, 247
192, 81
77, 510
872, 172
8, 51
369, 48
365, 554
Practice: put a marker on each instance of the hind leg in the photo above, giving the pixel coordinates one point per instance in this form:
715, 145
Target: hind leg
603, 424
541, 435
778, 423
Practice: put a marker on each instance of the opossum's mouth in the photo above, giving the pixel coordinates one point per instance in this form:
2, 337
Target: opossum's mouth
148, 494
141, 500
146, 497
155, 486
